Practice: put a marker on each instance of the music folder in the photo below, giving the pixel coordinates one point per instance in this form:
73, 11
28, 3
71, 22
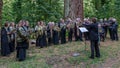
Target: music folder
83, 29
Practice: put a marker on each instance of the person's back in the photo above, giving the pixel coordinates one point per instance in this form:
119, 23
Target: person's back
94, 31
94, 39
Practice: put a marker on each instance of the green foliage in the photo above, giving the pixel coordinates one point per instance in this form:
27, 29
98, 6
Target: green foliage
52, 10
7, 13
102, 8
32, 10
89, 8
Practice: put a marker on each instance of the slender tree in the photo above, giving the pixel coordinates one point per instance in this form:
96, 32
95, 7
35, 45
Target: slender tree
1, 4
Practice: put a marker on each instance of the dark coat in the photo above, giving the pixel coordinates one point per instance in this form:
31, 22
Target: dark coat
5, 50
93, 31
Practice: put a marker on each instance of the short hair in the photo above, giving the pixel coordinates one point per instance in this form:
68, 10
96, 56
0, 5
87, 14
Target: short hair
6, 24
94, 20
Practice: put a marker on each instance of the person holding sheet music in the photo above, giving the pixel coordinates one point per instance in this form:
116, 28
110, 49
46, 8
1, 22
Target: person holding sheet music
12, 37
63, 32
70, 27
22, 39
5, 39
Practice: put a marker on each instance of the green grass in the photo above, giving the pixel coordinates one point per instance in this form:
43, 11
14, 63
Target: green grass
60, 56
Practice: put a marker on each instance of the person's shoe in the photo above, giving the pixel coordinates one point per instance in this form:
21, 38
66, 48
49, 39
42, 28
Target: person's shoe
98, 56
91, 57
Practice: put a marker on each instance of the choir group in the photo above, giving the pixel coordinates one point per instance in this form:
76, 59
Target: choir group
16, 36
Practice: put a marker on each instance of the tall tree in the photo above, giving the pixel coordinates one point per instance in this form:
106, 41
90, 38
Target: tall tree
1, 4
73, 9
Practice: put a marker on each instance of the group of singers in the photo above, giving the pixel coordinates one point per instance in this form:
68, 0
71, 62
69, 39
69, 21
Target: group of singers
16, 36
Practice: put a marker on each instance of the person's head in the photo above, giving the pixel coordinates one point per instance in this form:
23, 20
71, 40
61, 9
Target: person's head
6, 24
94, 20
78, 20
41, 23
12, 24
53, 24
26, 23
113, 20
38, 23
101, 20
105, 19
62, 21
69, 19
85, 20
21, 23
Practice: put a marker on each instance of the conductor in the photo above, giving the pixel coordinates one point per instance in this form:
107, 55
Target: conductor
94, 39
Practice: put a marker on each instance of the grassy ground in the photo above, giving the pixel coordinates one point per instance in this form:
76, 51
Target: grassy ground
60, 56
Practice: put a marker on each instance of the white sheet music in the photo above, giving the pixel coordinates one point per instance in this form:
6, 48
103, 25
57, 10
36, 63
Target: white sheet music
83, 29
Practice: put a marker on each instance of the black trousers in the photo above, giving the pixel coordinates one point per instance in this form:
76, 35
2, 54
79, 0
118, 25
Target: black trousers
63, 36
21, 51
110, 33
50, 41
94, 48
70, 34
12, 46
115, 35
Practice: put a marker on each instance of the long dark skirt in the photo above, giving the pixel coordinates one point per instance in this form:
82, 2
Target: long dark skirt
70, 34
55, 37
27, 45
12, 46
50, 41
41, 41
44, 40
37, 42
5, 50
21, 51
63, 36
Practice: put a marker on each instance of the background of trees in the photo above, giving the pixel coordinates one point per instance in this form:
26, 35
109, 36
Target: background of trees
52, 10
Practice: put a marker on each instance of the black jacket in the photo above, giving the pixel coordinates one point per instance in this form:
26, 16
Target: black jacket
93, 30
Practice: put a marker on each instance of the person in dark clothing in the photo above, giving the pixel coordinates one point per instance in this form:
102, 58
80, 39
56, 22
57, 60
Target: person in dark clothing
21, 42
63, 32
12, 36
5, 49
105, 26
70, 27
94, 38
41, 35
77, 32
114, 30
85, 24
110, 28
37, 33
27, 29
101, 33
50, 33
56, 31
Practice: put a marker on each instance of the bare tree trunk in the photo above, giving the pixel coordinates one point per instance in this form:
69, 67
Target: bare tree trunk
73, 9
1, 4
66, 8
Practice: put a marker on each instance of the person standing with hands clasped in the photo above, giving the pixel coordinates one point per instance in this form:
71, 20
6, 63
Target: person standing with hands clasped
94, 39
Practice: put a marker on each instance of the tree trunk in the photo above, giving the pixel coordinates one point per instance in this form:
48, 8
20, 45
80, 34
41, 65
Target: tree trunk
1, 4
73, 9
